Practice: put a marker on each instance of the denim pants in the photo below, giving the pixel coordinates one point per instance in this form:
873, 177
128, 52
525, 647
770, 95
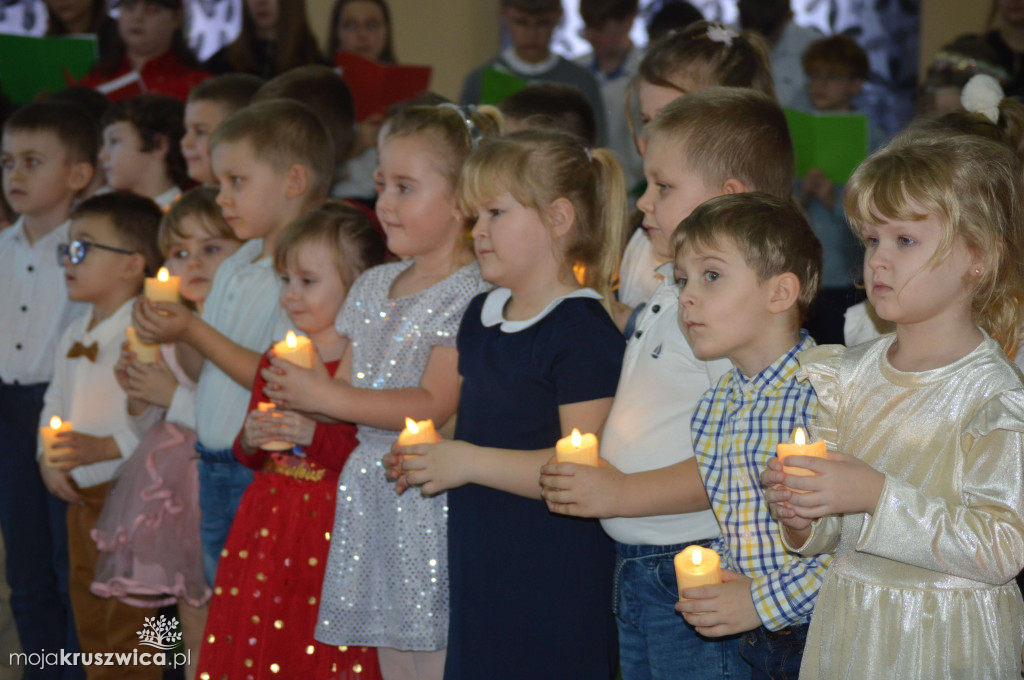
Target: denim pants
655, 643
774, 655
35, 532
222, 481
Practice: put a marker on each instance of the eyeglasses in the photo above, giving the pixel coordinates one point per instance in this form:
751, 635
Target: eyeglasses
77, 250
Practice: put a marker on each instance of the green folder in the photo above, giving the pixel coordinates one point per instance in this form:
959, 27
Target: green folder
29, 66
496, 86
835, 143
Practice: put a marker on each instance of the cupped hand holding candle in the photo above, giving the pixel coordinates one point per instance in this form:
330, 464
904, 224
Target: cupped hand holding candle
577, 448
50, 436
697, 566
295, 349
799, 447
163, 287
417, 432
268, 408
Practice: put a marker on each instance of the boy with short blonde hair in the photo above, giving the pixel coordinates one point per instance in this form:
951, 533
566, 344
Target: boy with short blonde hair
748, 267
274, 161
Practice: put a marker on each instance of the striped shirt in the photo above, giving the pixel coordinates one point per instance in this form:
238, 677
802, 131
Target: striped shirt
736, 427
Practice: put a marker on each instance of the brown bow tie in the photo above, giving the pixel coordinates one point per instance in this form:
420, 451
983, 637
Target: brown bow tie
80, 350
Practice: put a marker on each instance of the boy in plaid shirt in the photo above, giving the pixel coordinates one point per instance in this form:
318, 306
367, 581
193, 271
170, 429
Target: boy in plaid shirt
748, 266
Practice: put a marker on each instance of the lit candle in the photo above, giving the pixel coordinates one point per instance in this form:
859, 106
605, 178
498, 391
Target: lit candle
296, 349
418, 432
144, 352
50, 436
799, 447
268, 407
577, 448
162, 288
697, 566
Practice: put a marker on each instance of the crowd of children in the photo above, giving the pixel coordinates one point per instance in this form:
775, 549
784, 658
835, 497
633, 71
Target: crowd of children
495, 289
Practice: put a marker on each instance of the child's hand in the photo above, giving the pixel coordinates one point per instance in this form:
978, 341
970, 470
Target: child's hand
773, 479
151, 383
60, 484
724, 609
843, 484
394, 470
292, 387
291, 427
257, 429
159, 322
436, 467
581, 490
121, 367
76, 448
817, 185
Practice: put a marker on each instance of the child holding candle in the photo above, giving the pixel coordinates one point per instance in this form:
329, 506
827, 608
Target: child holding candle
148, 532
748, 266
649, 494
48, 159
386, 583
278, 543
538, 357
920, 494
113, 246
274, 161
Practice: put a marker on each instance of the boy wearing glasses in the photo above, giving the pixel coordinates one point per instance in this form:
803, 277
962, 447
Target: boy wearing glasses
836, 69
47, 158
112, 248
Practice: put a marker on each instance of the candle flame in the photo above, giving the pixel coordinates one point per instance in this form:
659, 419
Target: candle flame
55, 423
411, 425
576, 438
697, 557
799, 436
163, 274
290, 340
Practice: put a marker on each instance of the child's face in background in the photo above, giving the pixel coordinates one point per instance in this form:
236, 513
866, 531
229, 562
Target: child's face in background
195, 256
146, 28
723, 305
265, 14
901, 284
530, 34
673, 191
511, 242
312, 290
830, 90
252, 193
38, 178
125, 164
201, 118
415, 200
362, 29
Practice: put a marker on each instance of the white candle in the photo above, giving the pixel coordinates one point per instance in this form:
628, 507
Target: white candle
697, 566
50, 436
577, 448
799, 447
418, 432
144, 352
296, 349
269, 408
162, 288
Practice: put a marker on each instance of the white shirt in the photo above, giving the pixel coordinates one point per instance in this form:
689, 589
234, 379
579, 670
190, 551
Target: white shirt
788, 69
243, 305
167, 199
649, 425
638, 271
87, 394
34, 305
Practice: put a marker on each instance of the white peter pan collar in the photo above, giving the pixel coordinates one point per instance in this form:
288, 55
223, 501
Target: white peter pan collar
492, 313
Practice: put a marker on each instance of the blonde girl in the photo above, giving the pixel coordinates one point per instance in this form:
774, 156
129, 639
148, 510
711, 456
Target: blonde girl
386, 584
538, 356
920, 496
704, 54
148, 532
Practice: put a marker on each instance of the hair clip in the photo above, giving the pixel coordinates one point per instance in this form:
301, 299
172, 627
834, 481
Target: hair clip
722, 34
982, 94
466, 112
590, 158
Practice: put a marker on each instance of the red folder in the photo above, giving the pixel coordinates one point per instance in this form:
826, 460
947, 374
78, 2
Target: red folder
376, 86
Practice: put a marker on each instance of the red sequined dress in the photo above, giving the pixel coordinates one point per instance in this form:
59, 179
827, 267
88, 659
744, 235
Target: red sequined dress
267, 593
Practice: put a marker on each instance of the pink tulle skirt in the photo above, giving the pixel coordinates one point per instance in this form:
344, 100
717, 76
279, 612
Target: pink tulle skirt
148, 531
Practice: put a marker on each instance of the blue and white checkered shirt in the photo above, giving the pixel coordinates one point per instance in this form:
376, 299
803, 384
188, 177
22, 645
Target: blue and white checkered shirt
736, 427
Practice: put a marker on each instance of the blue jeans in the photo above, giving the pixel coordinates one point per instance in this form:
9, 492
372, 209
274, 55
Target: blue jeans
222, 481
655, 643
34, 524
774, 655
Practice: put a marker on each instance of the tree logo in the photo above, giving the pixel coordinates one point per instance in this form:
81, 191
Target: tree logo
159, 632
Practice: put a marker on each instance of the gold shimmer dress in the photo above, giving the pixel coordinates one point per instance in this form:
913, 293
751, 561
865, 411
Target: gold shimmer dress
923, 587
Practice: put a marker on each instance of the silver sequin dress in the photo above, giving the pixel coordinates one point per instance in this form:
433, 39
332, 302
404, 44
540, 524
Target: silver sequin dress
923, 588
386, 583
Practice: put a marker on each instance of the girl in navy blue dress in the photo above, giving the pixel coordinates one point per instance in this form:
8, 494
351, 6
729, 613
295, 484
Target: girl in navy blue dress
538, 356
